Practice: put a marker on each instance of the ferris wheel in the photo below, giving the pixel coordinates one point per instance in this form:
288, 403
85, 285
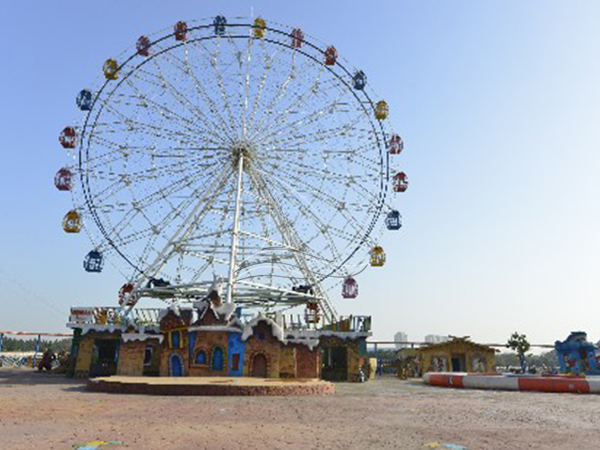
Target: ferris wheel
239, 151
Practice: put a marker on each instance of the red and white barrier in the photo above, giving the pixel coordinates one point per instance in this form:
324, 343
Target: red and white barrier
555, 383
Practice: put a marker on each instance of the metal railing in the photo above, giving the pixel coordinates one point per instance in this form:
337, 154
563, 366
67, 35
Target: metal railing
150, 317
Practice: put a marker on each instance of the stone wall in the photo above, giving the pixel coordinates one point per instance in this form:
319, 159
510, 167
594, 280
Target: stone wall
308, 362
131, 358
287, 362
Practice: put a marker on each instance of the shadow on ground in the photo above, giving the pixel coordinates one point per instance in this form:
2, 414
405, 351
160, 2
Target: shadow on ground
29, 376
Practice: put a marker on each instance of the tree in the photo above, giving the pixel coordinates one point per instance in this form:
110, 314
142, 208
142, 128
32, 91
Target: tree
519, 344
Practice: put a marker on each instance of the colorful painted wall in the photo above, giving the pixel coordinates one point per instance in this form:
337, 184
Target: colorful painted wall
214, 344
576, 355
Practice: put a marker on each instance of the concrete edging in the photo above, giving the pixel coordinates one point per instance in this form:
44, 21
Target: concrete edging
578, 385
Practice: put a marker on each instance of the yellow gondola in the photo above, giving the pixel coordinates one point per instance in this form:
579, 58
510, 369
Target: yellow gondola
381, 110
377, 256
111, 69
72, 222
260, 27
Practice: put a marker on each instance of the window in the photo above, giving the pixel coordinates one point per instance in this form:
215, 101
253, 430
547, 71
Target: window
261, 336
148, 353
175, 339
200, 357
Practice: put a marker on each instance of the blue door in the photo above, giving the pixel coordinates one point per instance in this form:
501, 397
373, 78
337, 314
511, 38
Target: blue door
217, 359
176, 366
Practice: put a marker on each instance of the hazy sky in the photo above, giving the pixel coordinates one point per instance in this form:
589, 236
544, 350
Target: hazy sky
498, 103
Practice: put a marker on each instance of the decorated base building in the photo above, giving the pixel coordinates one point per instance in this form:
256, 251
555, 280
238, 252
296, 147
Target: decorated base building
212, 338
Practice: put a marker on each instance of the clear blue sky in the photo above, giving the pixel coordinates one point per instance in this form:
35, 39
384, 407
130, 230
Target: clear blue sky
498, 102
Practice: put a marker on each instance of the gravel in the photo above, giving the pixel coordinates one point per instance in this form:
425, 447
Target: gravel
48, 411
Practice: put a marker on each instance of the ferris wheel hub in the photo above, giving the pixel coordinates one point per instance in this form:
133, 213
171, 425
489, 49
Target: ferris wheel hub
242, 149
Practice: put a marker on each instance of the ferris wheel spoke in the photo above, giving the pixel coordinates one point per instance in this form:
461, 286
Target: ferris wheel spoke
324, 132
185, 68
191, 220
307, 212
229, 201
125, 180
127, 151
359, 189
120, 180
214, 63
183, 100
143, 101
247, 88
205, 126
154, 197
189, 127
289, 233
283, 89
148, 131
283, 126
198, 272
299, 100
269, 62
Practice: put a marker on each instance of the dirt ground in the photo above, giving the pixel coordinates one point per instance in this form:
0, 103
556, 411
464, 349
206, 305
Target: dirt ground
41, 411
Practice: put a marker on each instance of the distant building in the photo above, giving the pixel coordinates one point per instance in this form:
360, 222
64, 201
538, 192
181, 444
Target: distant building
457, 354
435, 339
401, 336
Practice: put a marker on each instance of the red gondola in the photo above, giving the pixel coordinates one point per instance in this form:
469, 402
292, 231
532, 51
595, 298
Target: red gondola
143, 46
312, 312
126, 296
63, 180
350, 288
400, 182
396, 145
297, 37
331, 55
68, 137
181, 29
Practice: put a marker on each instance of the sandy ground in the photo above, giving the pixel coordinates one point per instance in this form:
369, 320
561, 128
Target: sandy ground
40, 411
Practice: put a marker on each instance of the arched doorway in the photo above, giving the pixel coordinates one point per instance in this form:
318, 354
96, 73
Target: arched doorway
217, 359
259, 366
175, 365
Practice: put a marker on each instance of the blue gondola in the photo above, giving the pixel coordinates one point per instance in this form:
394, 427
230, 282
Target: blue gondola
393, 221
360, 80
220, 22
93, 262
84, 100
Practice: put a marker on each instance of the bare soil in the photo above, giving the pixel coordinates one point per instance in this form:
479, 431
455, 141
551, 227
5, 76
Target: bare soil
43, 411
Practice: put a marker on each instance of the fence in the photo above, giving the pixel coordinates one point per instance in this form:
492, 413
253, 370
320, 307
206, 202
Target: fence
24, 359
